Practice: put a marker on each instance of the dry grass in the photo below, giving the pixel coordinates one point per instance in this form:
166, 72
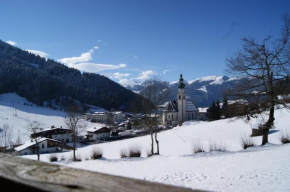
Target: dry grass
217, 147
197, 147
124, 153
247, 142
284, 137
96, 153
53, 157
134, 151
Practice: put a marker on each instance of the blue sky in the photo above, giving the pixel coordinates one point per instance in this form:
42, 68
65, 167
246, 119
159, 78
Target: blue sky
129, 40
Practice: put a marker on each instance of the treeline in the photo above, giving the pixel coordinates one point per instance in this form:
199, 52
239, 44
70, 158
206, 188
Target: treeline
40, 80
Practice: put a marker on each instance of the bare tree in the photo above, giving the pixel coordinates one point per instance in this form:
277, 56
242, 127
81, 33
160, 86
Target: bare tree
264, 64
157, 93
74, 123
32, 128
5, 137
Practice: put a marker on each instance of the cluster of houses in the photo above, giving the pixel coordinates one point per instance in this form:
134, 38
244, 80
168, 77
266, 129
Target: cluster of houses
172, 113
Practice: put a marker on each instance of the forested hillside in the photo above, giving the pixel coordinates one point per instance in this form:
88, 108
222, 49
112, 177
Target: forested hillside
40, 80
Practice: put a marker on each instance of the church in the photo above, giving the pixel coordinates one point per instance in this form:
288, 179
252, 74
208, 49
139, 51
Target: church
178, 111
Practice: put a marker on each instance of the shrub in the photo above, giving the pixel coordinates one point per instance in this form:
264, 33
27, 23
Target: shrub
247, 142
53, 157
197, 147
217, 147
124, 153
134, 151
96, 153
62, 158
284, 137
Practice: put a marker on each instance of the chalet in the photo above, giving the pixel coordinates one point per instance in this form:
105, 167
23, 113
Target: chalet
45, 145
60, 134
98, 133
178, 111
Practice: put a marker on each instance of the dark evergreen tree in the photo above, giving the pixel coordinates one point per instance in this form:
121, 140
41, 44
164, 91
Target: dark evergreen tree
225, 108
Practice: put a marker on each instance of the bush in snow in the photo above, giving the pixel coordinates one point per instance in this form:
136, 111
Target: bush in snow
96, 153
217, 147
197, 147
53, 157
284, 137
124, 153
134, 151
247, 142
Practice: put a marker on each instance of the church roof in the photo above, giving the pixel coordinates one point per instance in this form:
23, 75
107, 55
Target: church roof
189, 106
171, 106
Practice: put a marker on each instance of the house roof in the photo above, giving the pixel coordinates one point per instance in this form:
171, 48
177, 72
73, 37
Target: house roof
30, 143
94, 129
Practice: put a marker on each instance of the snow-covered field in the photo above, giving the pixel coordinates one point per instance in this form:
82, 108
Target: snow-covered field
260, 168
14, 113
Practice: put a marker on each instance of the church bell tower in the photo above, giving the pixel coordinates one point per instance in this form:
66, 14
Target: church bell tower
181, 99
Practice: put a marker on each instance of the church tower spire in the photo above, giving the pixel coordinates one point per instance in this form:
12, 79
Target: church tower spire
181, 100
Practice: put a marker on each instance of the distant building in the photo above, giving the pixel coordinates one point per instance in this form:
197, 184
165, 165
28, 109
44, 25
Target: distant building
178, 111
60, 134
102, 117
202, 113
45, 145
98, 133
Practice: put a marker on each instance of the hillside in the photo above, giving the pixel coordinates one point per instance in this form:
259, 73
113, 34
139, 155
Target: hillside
40, 80
14, 113
260, 168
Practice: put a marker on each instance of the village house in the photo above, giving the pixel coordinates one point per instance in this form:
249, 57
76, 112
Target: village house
98, 133
178, 111
60, 134
103, 117
45, 145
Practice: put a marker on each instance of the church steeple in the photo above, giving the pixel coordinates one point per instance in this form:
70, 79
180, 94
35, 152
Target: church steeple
181, 84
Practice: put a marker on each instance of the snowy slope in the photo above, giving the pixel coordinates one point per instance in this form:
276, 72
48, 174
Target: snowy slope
259, 168
11, 104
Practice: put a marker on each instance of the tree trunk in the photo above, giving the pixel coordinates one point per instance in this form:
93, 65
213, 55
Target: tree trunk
269, 124
74, 146
152, 142
157, 143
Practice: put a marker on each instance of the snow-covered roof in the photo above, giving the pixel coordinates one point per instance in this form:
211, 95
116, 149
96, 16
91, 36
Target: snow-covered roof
93, 129
30, 143
189, 106
203, 109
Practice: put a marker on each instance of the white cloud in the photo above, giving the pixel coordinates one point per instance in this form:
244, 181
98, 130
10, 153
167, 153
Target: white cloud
84, 57
118, 75
99, 41
96, 67
124, 81
11, 43
165, 71
39, 53
146, 75
135, 57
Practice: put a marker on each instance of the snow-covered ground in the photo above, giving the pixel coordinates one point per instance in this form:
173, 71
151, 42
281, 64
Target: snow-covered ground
260, 168
14, 113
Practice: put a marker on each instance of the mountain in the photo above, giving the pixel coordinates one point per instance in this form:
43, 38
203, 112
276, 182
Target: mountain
40, 81
201, 91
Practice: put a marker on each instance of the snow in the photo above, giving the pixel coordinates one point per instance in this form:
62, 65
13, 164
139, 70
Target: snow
216, 80
47, 117
30, 143
260, 168
203, 88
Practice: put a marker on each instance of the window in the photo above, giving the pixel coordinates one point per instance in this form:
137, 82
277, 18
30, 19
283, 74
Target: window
42, 145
